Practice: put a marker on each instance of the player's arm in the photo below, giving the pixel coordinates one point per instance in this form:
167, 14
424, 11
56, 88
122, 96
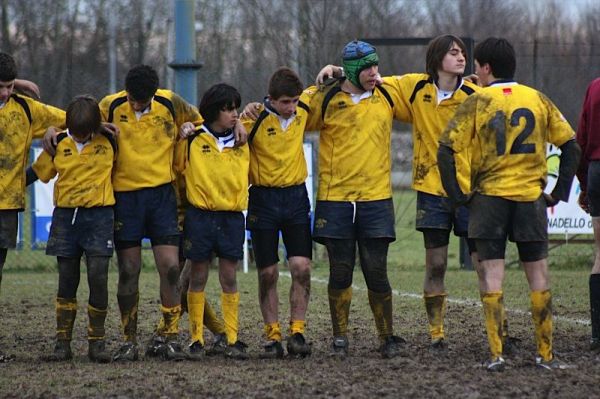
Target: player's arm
447, 167
569, 162
42, 169
27, 88
180, 156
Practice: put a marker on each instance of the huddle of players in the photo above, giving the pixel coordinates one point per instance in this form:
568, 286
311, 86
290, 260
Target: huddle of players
481, 146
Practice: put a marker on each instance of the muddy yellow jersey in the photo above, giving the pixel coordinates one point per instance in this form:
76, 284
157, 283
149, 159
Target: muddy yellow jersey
429, 116
277, 155
146, 144
84, 175
354, 142
216, 178
21, 120
507, 126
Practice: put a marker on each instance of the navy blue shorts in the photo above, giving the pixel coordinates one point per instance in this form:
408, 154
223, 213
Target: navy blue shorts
273, 208
75, 231
9, 220
148, 212
208, 232
493, 218
593, 187
353, 220
435, 212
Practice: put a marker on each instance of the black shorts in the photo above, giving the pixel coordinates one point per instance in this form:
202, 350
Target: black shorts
265, 244
436, 212
208, 232
75, 231
353, 220
148, 212
272, 208
9, 222
593, 187
493, 218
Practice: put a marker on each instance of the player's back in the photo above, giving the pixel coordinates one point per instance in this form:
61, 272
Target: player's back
514, 122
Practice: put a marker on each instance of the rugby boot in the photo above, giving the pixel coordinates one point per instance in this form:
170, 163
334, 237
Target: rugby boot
196, 351
128, 352
390, 347
218, 346
237, 351
297, 346
172, 351
97, 351
438, 345
495, 364
552, 364
339, 347
62, 351
595, 344
273, 350
154, 348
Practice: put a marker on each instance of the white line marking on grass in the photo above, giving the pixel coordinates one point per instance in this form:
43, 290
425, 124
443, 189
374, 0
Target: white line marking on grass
461, 302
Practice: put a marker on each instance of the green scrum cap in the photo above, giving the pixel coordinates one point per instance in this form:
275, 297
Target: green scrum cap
356, 57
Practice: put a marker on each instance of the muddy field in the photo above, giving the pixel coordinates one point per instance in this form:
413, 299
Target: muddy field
28, 323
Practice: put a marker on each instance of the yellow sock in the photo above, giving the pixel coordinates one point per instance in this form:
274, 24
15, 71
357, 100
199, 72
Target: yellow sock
229, 305
66, 310
171, 319
435, 305
297, 326
212, 321
381, 306
96, 318
504, 323
128, 306
273, 331
196, 301
339, 306
493, 309
541, 313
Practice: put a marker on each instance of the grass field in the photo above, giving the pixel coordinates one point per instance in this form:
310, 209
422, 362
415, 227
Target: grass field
27, 319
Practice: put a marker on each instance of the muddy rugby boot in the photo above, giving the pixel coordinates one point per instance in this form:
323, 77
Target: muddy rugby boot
595, 344
237, 351
218, 346
62, 352
297, 346
390, 347
273, 350
552, 364
496, 364
438, 345
128, 352
97, 351
339, 347
196, 351
172, 351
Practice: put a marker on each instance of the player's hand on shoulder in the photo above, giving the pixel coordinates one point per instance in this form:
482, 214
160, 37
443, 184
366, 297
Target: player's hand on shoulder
49, 141
473, 78
251, 111
240, 134
186, 129
110, 128
327, 75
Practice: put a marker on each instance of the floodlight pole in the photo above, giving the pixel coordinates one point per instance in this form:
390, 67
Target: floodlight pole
185, 64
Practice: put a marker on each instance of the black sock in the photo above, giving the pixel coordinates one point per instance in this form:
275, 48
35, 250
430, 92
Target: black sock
595, 304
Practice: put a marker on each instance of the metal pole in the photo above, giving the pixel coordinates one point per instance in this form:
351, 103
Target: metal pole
185, 64
112, 50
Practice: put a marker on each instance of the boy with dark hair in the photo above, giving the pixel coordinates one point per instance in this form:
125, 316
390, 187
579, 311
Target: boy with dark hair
279, 203
82, 222
22, 119
216, 180
507, 125
146, 206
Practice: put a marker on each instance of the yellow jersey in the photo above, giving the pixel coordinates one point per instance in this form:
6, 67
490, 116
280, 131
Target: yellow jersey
354, 141
21, 120
507, 126
84, 175
146, 142
429, 115
216, 178
277, 155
